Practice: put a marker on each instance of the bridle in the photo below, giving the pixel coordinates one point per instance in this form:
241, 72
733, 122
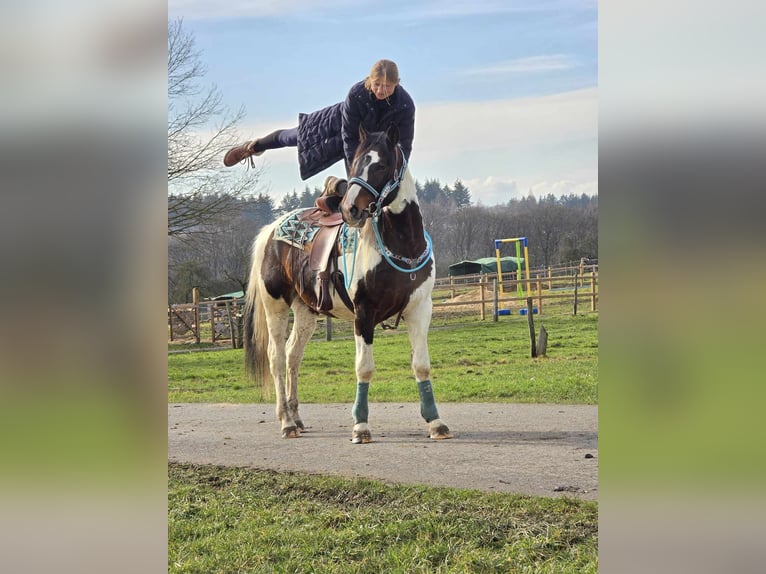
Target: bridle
374, 209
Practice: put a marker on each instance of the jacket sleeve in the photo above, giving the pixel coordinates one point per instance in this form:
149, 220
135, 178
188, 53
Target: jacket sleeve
407, 133
407, 130
351, 117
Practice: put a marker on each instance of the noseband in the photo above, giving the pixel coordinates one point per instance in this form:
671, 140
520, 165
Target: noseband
380, 196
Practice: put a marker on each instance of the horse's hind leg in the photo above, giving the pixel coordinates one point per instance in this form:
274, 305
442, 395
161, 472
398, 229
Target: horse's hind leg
304, 324
277, 317
418, 320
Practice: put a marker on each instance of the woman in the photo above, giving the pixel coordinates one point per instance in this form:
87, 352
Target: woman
332, 133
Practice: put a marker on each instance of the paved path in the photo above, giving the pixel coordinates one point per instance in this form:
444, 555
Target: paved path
520, 448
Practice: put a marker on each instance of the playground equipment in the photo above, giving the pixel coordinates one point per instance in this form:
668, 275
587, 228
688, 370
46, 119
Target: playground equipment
519, 241
522, 274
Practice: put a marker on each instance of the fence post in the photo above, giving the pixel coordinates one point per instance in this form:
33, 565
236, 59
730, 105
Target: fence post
240, 324
170, 321
494, 300
231, 326
550, 277
531, 322
451, 288
195, 302
574, 311
211, 312
328, 328
481, 290
592, 290
539, 296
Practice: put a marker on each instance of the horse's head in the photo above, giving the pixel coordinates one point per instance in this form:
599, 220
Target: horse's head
374, 176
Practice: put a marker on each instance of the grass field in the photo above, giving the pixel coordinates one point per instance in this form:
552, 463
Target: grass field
473, 362
243, 520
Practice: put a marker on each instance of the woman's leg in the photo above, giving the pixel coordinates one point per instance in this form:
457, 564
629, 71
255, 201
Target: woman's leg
276, 139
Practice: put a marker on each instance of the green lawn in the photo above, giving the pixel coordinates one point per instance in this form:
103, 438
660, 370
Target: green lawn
473, 362
245, 520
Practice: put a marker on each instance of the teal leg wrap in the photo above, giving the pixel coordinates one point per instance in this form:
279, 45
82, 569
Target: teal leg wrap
427, 404
360, 410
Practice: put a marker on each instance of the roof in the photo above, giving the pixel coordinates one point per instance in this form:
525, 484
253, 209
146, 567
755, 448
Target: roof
225, 296
485, 265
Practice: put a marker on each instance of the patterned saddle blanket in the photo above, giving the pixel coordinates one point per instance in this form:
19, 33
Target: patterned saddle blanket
301, 226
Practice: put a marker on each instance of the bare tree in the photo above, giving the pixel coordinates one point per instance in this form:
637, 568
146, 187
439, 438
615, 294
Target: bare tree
466, 225
436, 220
548, 224
200, 129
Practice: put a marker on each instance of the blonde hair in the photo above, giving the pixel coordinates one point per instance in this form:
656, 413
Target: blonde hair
385, 70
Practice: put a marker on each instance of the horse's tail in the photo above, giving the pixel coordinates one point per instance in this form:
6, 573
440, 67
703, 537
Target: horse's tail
256, 331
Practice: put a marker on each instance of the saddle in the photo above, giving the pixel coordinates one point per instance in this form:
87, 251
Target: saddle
323, 248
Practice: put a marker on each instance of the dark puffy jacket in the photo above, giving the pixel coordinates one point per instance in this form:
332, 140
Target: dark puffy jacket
362, 107
332, 133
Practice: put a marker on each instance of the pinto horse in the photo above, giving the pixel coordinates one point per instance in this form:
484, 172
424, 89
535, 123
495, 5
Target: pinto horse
384, 268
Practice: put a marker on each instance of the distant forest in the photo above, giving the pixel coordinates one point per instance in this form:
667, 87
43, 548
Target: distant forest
214, 255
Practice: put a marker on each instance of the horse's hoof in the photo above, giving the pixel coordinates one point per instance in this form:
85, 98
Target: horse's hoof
361, 437
441, 432
290, 432
300, 425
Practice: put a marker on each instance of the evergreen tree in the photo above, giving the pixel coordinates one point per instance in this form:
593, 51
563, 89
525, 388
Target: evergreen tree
308, 197
432, 192
460, 195
290, 202
262, 209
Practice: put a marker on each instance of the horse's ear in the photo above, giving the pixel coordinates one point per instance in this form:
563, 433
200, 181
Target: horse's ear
362, 133
393, 134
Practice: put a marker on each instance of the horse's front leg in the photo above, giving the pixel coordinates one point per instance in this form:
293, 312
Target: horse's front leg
418, 320
365, 367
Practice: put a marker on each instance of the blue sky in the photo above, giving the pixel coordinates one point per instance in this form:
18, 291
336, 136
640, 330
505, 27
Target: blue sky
506, 91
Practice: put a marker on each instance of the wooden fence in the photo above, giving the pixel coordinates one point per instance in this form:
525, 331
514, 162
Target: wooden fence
224, 319
559, 288
486, 290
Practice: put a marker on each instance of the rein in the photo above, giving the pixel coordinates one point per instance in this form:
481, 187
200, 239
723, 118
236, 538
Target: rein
375, 209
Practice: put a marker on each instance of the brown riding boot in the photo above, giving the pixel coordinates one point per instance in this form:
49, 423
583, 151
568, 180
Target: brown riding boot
240, 153
332, 195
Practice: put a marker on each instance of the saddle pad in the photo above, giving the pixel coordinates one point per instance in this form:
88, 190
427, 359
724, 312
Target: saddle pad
290, 229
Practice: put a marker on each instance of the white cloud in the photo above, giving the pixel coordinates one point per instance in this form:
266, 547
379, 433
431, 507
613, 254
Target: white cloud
492, 190
497, 190
438, 9
452, 130
564, 187
553, 62
237, 9
507, 148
